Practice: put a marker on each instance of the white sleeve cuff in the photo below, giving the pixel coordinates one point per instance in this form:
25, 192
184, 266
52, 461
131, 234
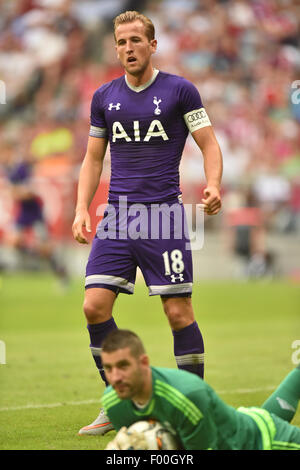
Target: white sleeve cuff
98, 131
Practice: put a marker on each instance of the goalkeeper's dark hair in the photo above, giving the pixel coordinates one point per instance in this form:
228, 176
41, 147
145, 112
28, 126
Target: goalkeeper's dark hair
120, 339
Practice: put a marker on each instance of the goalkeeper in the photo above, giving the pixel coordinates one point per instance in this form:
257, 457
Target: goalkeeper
187, 405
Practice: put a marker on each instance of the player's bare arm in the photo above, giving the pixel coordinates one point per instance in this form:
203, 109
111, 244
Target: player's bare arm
89, 178
213, 167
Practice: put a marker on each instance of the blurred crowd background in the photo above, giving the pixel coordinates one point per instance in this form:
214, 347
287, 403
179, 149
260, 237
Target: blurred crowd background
244, 58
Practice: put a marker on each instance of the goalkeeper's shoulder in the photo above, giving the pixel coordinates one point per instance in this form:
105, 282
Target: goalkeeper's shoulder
108, 390
113, 407
110, 397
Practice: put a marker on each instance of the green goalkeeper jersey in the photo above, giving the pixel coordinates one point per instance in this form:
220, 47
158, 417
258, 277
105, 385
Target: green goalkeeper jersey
189, 406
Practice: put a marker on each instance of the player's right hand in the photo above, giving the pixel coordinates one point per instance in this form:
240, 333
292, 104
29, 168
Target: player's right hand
82, 219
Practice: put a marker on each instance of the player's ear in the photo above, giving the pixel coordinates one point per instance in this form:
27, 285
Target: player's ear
153, 44
144, 360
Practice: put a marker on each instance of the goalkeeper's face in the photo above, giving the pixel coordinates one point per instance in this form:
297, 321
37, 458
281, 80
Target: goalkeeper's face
128, 375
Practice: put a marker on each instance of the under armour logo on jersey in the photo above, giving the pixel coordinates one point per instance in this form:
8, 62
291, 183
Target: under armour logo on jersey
175, 278
156, 102
114, 106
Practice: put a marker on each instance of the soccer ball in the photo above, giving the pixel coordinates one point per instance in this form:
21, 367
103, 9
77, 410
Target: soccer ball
156, 436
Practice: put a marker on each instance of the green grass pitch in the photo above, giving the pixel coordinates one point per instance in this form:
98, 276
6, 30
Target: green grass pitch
49, 386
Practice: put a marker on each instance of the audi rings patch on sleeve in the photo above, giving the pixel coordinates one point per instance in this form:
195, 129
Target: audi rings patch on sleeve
196, 119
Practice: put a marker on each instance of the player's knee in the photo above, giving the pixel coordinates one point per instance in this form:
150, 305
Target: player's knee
96, 312
177, 320
180, 314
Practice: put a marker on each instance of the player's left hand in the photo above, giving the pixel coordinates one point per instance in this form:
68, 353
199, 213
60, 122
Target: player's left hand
212, 201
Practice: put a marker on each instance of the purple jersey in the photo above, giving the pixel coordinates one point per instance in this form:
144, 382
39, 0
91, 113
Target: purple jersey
147, 128
30, 208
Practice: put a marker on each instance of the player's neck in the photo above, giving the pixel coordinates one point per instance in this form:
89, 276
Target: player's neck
142, 79
144, 395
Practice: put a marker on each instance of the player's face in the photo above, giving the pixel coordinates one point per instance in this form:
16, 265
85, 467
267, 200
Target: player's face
133, 47
124, 372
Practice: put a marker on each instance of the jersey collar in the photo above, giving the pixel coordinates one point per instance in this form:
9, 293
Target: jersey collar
137, 89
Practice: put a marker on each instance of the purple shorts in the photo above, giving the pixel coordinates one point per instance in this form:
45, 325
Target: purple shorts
153, 237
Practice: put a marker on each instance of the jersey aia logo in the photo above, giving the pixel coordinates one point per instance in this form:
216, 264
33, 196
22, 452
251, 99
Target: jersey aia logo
155, 129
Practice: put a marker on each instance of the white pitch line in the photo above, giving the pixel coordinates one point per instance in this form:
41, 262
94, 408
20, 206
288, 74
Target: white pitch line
30, 406
247, 390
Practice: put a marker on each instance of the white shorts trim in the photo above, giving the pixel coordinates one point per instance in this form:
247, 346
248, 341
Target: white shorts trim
110, 280
184, 288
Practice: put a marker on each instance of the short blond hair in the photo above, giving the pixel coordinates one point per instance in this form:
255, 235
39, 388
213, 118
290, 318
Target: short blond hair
130, 17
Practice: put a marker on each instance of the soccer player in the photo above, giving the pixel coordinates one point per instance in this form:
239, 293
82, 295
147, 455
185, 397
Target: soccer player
188, 406
145, 116
29, 218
